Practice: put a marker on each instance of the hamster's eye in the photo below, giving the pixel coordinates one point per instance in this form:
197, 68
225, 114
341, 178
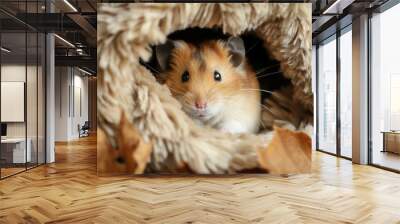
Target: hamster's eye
217, 76
185, 76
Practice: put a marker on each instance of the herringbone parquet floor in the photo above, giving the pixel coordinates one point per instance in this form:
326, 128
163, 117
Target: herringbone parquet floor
69, 191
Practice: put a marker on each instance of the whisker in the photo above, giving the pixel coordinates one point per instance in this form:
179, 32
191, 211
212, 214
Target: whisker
262, 123
251, 48
174, 90
228, 97
266, 68
269, 74
266, 107
261, 90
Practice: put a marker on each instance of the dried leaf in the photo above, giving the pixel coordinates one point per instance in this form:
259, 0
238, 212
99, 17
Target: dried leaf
288, 153
132, 153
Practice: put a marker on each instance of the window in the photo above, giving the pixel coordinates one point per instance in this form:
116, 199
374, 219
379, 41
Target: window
346, 93
327, 96
329, 111
385, 89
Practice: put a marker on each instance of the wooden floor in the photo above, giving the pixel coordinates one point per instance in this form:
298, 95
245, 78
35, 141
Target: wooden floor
387, 159
10, 171
69, 191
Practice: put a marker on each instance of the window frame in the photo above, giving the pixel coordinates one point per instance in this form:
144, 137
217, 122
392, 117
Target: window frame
334, 37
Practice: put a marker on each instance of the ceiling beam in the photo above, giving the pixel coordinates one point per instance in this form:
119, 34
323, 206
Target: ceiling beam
337, 7
84, 61
320, 22
84, 24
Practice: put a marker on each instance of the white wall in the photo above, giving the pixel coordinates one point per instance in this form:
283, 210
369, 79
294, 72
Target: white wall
62, 81
16, 73
13, 101
80, 110
12, 73
71, 102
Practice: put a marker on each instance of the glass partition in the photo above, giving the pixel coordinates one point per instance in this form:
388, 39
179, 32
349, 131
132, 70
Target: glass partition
14, 153
22, 77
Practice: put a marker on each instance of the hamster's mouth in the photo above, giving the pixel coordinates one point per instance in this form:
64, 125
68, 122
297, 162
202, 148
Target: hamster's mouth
203, 115
194, 113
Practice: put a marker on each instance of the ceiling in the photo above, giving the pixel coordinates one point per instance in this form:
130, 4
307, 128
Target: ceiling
74, 22
332, 15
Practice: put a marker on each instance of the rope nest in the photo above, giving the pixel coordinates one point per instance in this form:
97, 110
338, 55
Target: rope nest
126, 88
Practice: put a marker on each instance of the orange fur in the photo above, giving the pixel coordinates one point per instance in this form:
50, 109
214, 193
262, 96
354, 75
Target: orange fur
228, 99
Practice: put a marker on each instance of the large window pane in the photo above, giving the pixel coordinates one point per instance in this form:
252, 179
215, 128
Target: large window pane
346, 93
385, 84
327, 96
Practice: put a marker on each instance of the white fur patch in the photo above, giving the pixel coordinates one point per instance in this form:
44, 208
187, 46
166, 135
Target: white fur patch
234, 127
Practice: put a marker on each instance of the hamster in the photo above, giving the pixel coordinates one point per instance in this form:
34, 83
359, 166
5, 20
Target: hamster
213, 82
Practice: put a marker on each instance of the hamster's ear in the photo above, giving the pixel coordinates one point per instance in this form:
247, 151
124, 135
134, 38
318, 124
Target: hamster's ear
236, 50
163, 53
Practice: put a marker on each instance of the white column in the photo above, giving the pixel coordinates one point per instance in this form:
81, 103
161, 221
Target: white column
360, 90
50, 99
50, 92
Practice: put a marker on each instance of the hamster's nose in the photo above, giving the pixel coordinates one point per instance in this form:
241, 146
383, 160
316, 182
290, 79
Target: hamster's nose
201, 105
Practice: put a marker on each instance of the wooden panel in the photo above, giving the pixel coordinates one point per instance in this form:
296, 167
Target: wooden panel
92, 100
